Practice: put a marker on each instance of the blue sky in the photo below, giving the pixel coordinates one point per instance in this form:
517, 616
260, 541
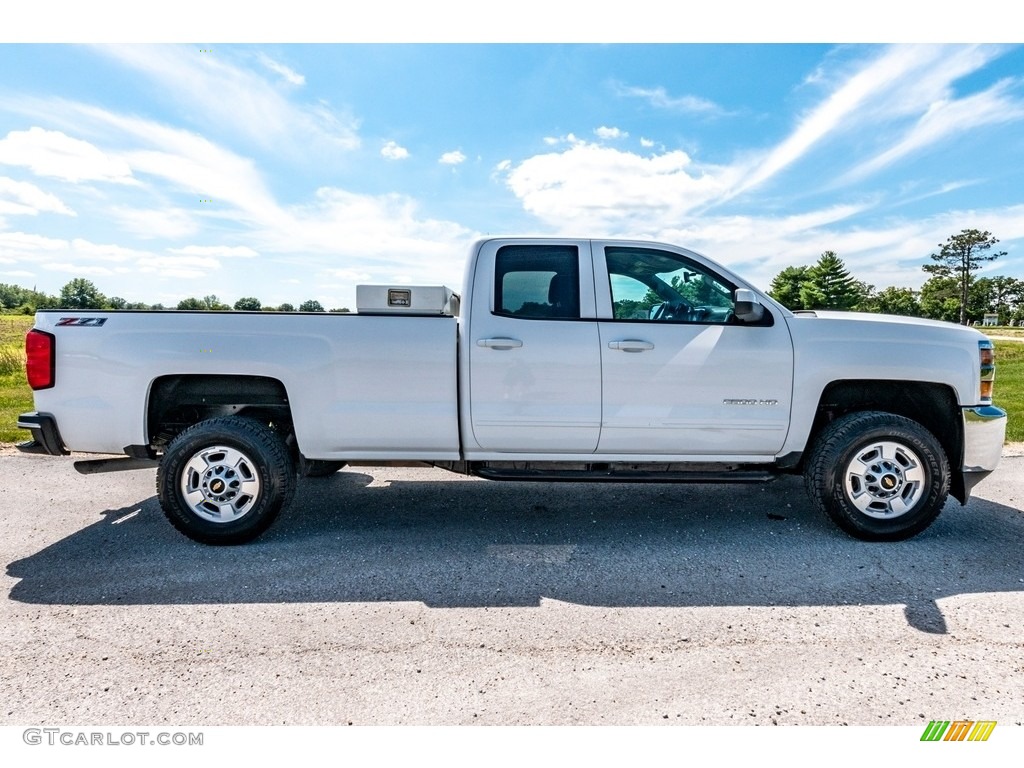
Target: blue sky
295, 171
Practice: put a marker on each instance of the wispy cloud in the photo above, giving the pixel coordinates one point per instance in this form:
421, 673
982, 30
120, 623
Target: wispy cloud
946, 118
288, 74
24, 198
169, 222
222, 251
57, 155
227, 94
660, 98
899, 82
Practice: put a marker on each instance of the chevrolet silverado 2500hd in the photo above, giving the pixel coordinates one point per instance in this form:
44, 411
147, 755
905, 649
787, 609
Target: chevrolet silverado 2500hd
565, 360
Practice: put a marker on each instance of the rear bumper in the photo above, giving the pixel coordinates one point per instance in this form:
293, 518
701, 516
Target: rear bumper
45, 435
984, 432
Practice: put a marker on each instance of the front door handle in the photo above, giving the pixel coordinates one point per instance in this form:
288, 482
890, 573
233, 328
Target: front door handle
499, 343
630, 345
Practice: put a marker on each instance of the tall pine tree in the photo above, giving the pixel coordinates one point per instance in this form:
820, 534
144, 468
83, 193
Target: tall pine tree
960, 257
829, 285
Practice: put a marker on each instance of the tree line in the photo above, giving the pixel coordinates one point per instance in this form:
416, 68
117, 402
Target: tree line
80, 293
954, 292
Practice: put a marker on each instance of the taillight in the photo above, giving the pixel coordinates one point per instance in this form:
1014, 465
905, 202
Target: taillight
987, 360
40, 348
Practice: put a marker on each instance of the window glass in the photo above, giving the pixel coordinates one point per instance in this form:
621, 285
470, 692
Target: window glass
647, 284
537, 281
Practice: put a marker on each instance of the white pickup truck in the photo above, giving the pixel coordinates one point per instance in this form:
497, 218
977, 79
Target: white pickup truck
568, 360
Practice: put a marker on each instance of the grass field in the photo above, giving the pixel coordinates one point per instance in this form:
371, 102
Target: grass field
1009, 393
16, 397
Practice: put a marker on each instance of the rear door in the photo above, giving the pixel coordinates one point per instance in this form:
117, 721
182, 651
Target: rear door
534, 356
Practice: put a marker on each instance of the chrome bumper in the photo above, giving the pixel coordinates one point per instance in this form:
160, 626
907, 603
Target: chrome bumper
984, 432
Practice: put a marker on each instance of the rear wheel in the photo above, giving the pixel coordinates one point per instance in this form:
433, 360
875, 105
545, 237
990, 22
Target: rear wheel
224, 481
878, 476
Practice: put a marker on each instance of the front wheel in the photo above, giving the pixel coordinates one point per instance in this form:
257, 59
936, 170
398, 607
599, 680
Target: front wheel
224, 481
878, 476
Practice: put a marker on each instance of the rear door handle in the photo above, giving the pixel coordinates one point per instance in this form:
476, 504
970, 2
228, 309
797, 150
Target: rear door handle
630, 345
499, 343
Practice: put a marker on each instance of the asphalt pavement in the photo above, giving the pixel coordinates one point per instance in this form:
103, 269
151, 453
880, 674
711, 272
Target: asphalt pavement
414, 596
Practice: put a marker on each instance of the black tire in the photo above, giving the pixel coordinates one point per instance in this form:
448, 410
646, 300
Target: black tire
878, 476
224, 480
320, 467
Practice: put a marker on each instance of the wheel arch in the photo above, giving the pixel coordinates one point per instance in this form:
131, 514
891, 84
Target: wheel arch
932, 405
176, 402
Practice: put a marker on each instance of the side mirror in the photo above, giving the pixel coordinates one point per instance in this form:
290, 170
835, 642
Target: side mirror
747, 308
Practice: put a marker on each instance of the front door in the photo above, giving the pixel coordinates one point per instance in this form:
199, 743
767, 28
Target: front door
680, 375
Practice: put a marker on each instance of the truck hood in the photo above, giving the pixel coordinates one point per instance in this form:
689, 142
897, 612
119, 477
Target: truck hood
870, 321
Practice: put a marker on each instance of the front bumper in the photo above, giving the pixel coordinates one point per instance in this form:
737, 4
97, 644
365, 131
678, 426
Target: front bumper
984, 432
45, 435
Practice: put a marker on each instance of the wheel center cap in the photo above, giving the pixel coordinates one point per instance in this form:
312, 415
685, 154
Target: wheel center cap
217, 486
888, 482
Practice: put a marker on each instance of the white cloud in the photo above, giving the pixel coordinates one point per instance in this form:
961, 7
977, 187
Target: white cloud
659, 97
21, 197
163, 223
231, 96
901, 81
105, 252
190, 162
155, 263
334, 229
600, 189
646, 143
350, 276
23, 245
604, 132
78, 269
222, 251
452, 158
392, 151
946, 118
287, 73
57, 155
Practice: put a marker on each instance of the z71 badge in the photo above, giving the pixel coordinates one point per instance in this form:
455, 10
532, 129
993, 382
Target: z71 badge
89, 321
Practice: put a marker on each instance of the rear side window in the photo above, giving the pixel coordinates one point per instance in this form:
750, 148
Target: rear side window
537, 281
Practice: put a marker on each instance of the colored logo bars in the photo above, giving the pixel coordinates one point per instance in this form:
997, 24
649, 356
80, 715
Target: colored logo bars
958, 730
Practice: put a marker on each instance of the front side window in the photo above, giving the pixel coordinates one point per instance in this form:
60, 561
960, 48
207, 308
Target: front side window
658, 286
537, 281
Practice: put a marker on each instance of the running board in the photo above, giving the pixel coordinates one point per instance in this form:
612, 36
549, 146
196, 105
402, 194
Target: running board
96, 466
625, 476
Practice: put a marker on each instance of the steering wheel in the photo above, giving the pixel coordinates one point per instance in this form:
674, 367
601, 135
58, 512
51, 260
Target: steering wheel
673, 310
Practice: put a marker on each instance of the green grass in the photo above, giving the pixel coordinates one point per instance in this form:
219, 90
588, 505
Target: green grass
13, 329
1009, 392
16, 397
1003, 330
